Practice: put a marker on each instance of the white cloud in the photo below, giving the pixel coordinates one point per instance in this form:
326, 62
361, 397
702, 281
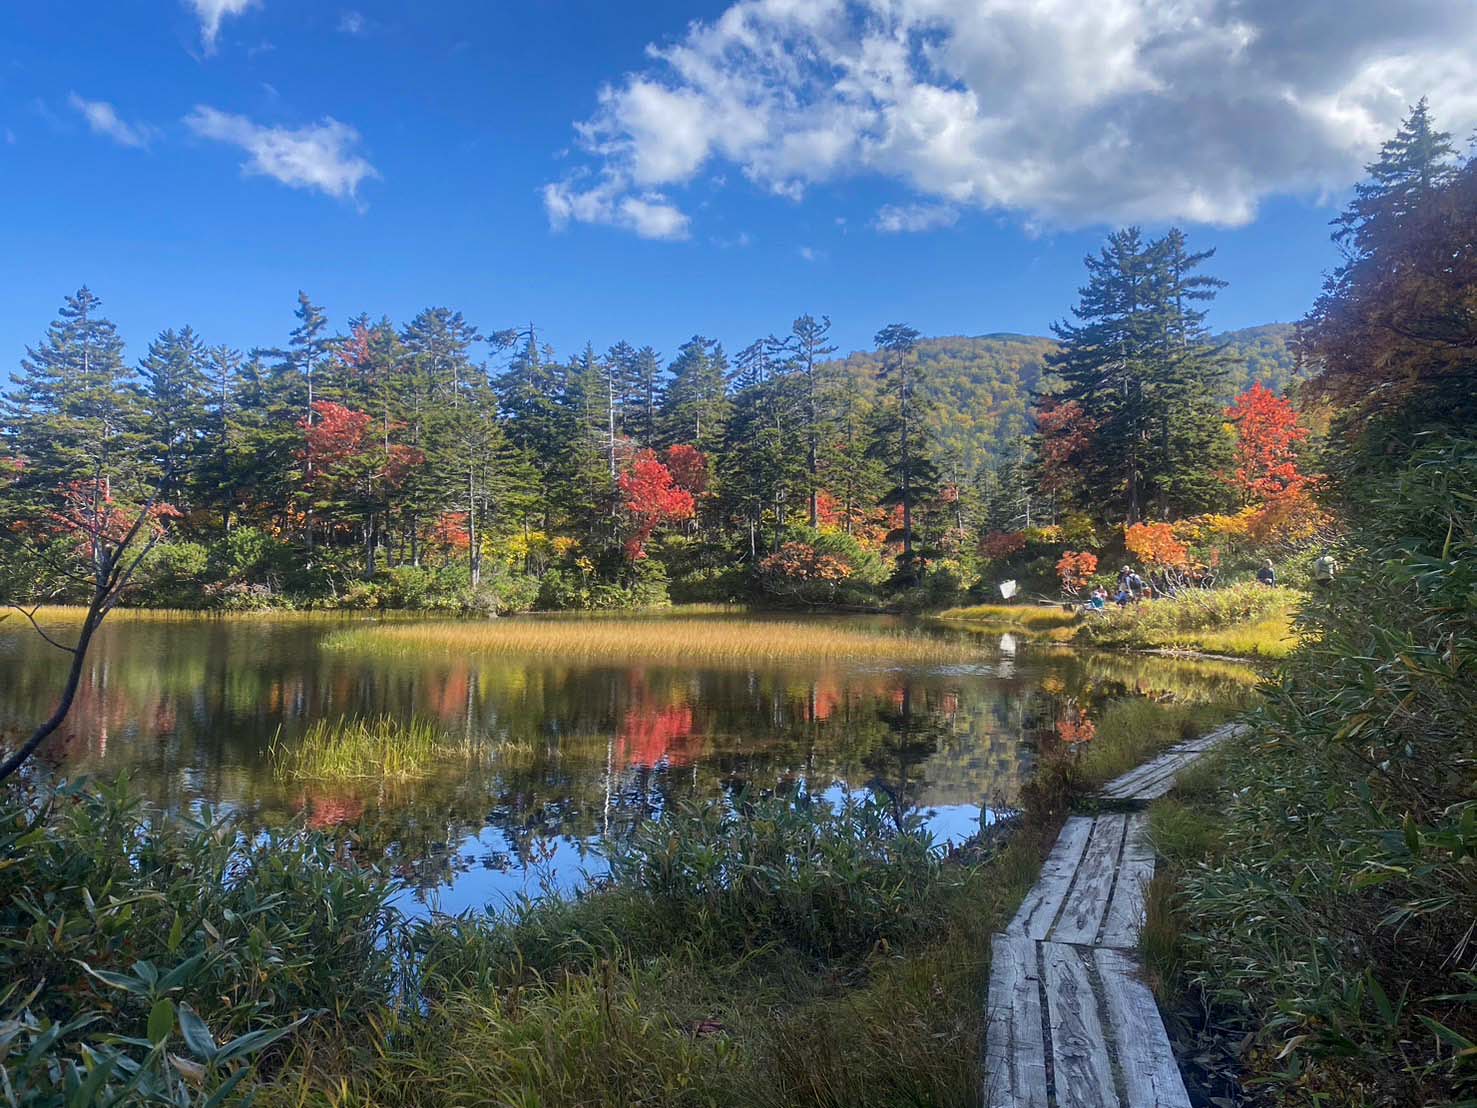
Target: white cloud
649, 214
1062, 112
318, 156
810, 254
103, 119
212, 12
351, 22
894, 218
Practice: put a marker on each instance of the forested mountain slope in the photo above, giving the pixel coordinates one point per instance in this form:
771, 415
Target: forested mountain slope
978, 389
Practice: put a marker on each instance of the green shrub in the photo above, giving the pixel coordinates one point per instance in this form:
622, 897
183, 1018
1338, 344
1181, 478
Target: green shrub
121, 928
172, 576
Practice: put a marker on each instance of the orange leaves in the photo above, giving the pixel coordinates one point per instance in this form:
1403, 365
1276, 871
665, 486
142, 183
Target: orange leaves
1267, 437
1268, 434
1154, 544
1075, 569
801, 562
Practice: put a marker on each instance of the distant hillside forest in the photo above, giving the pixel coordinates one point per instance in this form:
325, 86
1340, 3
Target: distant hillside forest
431, 464
979, 391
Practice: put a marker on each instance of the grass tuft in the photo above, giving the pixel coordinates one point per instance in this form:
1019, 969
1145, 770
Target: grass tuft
383, 748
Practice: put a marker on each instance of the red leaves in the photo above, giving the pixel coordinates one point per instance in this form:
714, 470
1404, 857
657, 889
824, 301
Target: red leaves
651, 497
999, 545
1076, 569
1066, 432
689, 468
339, 449
1268, 434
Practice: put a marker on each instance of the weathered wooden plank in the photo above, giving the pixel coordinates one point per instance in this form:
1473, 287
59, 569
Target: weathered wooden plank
1150, 1076
1087, 902
1163, 769
1125, 918
1079, 1052
1168, 762
1038, 911
1015, 1054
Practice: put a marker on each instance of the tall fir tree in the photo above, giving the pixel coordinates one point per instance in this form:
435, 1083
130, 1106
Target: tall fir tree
174, 395
696, 404
811, 345
900, 440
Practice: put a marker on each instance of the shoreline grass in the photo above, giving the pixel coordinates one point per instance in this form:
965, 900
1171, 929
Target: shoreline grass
739, 641
382, 748
1247, 621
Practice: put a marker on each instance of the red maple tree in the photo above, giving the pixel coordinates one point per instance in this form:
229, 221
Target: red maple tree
651, 498
1268, 434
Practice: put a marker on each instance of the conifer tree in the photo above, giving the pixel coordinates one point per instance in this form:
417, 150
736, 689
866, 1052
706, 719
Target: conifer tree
174, 393
646, 393
696, 406
900, 443
812, 346
73, 416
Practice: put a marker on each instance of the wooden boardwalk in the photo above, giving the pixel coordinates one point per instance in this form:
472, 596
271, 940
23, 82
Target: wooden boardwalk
1070, 1021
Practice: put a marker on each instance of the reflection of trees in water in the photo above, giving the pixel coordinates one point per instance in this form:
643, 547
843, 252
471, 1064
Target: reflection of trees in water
568, 750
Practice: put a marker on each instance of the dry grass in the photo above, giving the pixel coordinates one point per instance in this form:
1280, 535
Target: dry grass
729, 641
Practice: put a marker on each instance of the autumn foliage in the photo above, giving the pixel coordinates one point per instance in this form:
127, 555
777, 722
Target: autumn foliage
1075, 569
1268, 435
651, 497
999, 545
1155, 545
1066, 431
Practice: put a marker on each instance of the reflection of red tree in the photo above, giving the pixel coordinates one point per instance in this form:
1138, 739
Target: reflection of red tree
651, 736
825, 698
328, 811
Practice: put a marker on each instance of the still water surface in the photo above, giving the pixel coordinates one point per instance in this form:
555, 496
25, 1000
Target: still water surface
562, 755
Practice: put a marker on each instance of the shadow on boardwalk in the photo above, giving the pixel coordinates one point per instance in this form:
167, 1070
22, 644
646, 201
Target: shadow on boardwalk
1070, 1020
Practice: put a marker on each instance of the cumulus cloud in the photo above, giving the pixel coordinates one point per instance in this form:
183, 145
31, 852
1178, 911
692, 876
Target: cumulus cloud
1064, 113
318, 156
212, 12
895, 218
103, 119
648, 214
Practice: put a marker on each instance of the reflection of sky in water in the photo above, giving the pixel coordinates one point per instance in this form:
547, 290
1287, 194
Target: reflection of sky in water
552, 756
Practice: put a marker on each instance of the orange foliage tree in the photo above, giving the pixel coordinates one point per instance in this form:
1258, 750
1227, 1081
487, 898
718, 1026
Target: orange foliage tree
1076, 569
1154, 544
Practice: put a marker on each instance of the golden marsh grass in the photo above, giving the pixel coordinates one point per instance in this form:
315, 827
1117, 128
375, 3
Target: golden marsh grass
677, 640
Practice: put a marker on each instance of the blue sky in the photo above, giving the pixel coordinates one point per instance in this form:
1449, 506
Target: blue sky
651, 170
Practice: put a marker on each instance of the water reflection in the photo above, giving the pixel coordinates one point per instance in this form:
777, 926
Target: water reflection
556, 756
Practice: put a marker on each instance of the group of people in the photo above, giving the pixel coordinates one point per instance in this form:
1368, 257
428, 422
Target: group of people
1132, 586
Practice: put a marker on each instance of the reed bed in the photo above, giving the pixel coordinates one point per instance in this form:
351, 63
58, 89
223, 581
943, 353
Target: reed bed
737, 641
382, 748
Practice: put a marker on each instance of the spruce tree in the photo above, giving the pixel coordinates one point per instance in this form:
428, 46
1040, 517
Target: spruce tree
73, 415
811, 345
900, 440
174, 394
696, 407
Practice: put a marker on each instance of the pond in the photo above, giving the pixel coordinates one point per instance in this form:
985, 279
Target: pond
562, 754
